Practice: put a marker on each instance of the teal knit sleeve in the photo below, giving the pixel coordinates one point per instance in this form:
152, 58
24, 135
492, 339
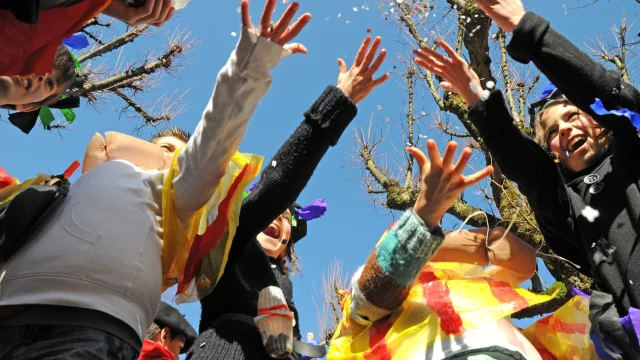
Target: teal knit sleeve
385, 280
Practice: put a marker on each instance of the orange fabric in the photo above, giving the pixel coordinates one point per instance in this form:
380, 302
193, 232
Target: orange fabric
28, 49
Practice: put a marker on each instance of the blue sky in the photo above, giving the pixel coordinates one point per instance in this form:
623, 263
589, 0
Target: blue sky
352, 225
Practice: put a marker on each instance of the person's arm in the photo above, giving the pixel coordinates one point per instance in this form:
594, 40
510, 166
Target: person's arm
580, 78
384, 282
290, 169
239, 87
524, 162
519, 158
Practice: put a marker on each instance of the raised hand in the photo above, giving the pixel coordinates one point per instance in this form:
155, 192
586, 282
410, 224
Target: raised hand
358, 81
505, 13
153, 12
280, 32
442, 182
457, 74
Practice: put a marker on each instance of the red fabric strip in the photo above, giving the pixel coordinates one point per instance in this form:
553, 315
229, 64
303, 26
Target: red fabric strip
504, 293
438, 298
560, 326
378, 346
202, 244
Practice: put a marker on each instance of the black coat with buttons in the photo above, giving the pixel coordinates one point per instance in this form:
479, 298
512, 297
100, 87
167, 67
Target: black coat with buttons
605, 248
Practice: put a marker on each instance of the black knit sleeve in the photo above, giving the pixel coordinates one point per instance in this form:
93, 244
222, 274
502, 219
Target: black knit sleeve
524, 162
288, 172
576, 74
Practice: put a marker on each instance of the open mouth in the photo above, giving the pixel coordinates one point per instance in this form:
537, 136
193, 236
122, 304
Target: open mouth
576, 143
272, 231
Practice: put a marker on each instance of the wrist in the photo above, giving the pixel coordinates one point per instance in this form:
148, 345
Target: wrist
430, 217
515, 20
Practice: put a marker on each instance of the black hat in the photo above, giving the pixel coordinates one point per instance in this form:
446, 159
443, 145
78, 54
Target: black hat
170, 317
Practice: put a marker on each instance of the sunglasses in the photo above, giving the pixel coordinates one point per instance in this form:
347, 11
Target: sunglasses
542, 104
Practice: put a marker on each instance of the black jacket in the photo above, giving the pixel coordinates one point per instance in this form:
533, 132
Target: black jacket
607, 248
249, 270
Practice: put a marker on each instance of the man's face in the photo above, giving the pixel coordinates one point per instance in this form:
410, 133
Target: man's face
24, 90
573, 136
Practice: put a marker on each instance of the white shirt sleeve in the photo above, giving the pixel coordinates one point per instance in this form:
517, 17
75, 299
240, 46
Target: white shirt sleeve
240, 85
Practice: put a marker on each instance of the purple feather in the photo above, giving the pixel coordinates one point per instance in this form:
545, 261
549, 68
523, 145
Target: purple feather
314, 210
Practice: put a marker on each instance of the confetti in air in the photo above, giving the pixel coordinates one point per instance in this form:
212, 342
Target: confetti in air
590, 213
490, 84
273, 163
234, 34
379, 107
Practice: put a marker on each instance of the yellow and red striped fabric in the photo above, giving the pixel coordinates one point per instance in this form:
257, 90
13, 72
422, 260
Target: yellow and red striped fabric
195, 257
446, 299
564, 335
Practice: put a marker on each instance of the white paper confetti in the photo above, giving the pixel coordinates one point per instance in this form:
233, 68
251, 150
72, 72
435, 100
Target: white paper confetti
234, 34
273, 163
590, 213
355, 9
490, 84
379, 107
485, 95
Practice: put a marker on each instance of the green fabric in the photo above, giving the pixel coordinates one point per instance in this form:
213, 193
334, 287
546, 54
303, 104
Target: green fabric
75, 60
69, 115
46, 116
294, 222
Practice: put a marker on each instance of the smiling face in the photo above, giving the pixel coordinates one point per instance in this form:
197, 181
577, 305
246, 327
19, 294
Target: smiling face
27, 93
275, 238
573, 136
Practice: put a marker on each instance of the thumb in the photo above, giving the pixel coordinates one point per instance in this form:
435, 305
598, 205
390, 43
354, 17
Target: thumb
342, 66
421, 158
296, 48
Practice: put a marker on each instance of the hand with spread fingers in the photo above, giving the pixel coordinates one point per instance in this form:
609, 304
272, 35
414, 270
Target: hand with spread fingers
458, 76
442, 181
505, 13
153, 12
358, 82
280, 32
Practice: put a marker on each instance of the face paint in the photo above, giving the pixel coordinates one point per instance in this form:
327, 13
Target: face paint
284, 241
118, 146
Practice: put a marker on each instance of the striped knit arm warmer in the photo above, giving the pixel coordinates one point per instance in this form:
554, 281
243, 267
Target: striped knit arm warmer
384, 282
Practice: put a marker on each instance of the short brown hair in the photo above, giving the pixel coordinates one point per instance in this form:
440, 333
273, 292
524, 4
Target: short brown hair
65, 65
175, 132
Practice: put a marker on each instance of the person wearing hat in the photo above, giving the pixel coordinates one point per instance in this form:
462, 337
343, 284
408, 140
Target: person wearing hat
169, 336
262, 252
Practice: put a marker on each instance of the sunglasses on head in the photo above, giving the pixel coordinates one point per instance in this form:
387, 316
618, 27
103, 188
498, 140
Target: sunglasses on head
541, 104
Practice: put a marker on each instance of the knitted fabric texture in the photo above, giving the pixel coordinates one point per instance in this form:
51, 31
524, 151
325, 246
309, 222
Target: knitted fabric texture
392, 268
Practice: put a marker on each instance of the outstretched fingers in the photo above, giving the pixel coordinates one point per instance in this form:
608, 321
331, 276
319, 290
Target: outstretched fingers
265, 20
362, 52
474, 178
371, 54
295, 29
342, 66
421, 158
296, 48
282, 25
453, 56
463, 160
434, 154
377, 64
449, 155
246, 16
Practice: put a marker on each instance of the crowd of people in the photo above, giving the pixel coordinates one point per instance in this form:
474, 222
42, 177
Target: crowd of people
83, 265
